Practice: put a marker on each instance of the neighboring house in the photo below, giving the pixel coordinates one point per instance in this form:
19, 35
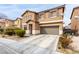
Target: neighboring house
9, 22
18, 23
75, 19
45, 22
6, 23
2, 23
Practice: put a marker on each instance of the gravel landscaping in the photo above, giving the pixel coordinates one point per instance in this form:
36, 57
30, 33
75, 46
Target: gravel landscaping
73, 47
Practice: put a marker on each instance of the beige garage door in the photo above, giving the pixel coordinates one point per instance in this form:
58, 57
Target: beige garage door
50, 30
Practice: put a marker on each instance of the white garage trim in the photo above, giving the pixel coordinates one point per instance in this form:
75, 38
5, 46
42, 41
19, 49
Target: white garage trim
60, 32
60, 29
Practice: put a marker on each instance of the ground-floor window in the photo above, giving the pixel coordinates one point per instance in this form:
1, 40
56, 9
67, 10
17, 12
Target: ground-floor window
25, 27
0, 26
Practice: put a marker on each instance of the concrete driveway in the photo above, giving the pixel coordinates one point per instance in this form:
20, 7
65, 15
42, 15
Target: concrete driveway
36, 44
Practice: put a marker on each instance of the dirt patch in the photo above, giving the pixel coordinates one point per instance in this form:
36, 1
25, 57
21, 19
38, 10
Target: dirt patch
16, 38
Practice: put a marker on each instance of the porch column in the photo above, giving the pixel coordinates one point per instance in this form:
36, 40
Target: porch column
36, 28
27, 31
60, 29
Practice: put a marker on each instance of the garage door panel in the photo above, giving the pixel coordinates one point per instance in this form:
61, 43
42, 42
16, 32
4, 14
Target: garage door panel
50, 30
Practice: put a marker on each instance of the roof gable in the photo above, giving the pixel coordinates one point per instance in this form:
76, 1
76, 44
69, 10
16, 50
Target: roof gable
28, 11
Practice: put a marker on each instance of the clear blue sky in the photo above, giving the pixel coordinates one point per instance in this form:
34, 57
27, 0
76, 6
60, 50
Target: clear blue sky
15, 10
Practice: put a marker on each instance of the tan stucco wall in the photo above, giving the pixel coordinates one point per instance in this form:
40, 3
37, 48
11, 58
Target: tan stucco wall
25, 17
47, 18
55, 24
75, 12
75, 21
18, 23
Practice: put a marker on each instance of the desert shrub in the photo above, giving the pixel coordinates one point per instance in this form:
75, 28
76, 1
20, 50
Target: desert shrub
9, 31
20, 32
65, 40
1, 30
68, 31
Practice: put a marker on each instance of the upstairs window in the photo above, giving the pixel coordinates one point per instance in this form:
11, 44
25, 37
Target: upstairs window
29, 17
77, 17
25, 27
52, 14
41, 16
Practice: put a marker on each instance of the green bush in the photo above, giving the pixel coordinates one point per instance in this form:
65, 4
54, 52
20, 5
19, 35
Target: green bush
9, 31
20, 32
14, 31
1, 30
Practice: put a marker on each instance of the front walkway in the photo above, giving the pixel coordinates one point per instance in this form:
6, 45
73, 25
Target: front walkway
36, 44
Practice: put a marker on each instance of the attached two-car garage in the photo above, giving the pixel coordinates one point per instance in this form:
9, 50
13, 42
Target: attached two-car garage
49, 30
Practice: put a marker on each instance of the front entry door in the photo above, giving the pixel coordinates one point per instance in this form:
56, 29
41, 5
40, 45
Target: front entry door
30, 28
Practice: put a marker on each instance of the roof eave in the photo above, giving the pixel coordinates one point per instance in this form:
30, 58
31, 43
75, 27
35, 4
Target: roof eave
29, 11
73, 11
52, 8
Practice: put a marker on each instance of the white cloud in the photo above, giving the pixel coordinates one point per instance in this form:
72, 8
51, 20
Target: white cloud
12, 11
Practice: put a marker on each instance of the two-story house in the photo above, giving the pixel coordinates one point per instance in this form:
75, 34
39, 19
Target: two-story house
75, 19
45, 22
